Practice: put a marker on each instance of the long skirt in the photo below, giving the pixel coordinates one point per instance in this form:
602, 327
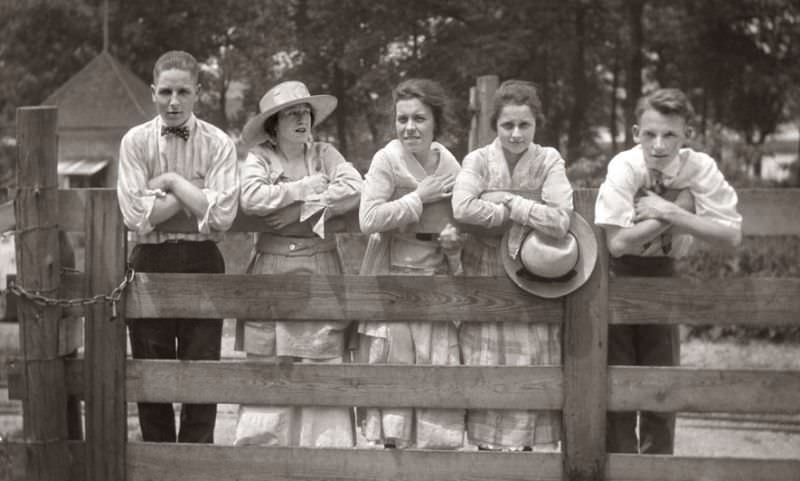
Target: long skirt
412, 343
305, 342
507, 344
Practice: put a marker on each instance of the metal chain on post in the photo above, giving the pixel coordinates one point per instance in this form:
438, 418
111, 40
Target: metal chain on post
113, 297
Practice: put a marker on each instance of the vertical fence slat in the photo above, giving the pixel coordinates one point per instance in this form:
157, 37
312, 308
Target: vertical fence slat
481, 98
39, 269
585, 370
106, 409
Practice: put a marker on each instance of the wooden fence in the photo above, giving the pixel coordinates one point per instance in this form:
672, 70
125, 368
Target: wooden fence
584, 388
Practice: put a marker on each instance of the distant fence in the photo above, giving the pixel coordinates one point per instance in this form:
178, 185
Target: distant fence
583, 388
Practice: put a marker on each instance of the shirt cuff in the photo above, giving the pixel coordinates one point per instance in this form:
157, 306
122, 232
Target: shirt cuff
500, 215
520, 209
414, 203
144, 226
203, 225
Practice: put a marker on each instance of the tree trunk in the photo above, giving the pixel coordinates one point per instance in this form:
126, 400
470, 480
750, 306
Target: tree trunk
613, 127
341, 110
579, 87
635, 64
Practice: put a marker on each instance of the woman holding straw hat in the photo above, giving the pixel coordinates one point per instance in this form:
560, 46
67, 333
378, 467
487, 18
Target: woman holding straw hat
297, 185
405, 178
487, 194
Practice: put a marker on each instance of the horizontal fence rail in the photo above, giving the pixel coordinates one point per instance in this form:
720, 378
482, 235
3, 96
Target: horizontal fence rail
766, 212
667, 389
146, 461
744, 301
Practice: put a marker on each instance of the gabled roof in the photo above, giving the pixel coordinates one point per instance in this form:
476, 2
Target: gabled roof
103, 94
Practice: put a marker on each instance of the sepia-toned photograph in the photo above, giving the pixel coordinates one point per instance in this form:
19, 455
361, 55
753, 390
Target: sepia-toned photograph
371, 240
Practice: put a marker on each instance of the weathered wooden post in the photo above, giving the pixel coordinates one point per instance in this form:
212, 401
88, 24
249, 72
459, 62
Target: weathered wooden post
481, 104
104, 360
39, 271
585, 371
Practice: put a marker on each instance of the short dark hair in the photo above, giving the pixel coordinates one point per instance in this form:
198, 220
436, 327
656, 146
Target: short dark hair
669, 101
517, 92
271, 125
430, 93
177, 59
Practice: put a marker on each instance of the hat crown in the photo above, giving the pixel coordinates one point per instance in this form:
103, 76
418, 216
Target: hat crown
282, 94
547, 256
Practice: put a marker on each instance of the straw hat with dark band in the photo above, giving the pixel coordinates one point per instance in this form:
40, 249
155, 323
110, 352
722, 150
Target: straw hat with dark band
550, 267
279, 97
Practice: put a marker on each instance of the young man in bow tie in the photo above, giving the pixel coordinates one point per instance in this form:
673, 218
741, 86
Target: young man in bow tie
656, 198
177, 164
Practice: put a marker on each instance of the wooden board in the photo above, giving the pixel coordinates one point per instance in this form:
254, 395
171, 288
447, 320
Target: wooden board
746, 301
585, 341
345, 385
633, 467
106, 410
186, 462
703, 390
39, 269
287, 297
7, 219
756, 391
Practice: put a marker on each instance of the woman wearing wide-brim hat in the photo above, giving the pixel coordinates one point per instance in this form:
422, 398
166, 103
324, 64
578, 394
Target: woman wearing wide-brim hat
487, 194
298, 185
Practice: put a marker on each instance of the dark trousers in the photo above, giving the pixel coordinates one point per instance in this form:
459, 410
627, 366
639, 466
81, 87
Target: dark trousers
642, 345
184, 339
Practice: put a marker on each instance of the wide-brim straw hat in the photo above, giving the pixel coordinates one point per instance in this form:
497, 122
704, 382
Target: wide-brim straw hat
549, 267
279, 97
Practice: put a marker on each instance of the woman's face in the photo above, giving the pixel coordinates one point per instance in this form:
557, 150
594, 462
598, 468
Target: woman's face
516, 127
294, 124
414, 123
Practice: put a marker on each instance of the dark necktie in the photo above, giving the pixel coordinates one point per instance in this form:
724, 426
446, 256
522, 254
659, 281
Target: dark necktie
182, 132
657, 186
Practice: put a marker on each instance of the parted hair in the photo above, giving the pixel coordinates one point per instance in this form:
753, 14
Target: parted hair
179, 60
667, 101
430, 93
517, 92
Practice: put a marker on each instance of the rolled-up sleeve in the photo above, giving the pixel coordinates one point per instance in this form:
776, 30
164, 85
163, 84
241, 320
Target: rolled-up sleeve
714, 197
377, 213
468, 207
221, 190
135, 199
344, 190
615, 198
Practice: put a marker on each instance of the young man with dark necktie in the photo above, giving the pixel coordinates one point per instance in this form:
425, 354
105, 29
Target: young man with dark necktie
657, 197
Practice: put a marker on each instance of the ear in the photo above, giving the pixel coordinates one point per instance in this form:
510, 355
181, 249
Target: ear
153, 92
635, 132
689, 132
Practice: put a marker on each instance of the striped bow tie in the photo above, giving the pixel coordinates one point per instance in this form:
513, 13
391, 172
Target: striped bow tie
182, 132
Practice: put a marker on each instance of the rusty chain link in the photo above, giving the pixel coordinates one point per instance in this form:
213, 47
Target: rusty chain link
42, 300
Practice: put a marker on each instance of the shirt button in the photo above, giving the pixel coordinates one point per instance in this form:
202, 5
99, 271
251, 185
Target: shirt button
292, 246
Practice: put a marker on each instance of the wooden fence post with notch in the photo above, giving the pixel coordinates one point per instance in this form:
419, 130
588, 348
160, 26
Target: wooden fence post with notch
39, 271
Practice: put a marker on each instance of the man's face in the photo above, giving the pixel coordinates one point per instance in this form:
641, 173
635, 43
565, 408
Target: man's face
661, 136
175, 93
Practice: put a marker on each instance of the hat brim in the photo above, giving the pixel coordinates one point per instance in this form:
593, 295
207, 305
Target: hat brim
322, 105
587, 258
